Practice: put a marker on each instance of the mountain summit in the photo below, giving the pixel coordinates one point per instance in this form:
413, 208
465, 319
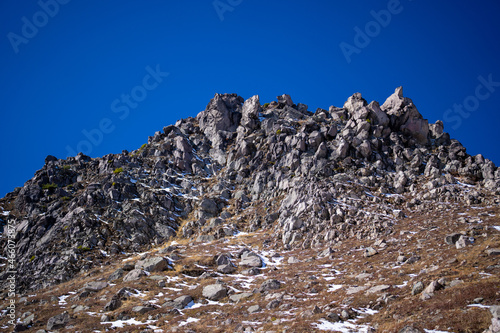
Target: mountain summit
364, 196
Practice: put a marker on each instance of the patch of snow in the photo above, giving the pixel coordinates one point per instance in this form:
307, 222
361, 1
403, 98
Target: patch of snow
122, 323
99, 219
497, 227
405, 283
236, 290
366, 311
246, 322
435, 331
6, 213
334, 287
62, 299
479, 306
171, 278
209, 302
344, 327
187, 321
389, 195
139, 294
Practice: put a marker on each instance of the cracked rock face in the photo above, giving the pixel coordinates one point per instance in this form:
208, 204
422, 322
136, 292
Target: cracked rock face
317, 177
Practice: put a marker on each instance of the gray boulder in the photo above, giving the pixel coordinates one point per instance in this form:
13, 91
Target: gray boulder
133, 275
221, 114
451, 239
254, 308
226, 269
495, 320
116, 275
462, 242
95, 286
250, 259
250, 112
142, 309
182, 301
405, 116
354, 103
378, 116
285, 99
417, 288
370, 251
270, 284
58, 321
112, 305
222, 259
237, 297
209, 206
214, 292
493, 252
156, 264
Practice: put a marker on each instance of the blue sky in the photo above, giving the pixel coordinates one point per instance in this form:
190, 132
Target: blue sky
67, 67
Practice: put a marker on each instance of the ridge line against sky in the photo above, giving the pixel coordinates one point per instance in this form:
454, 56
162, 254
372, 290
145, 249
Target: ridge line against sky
68, 67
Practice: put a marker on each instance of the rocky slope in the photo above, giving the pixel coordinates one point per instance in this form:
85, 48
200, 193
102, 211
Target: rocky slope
272, 216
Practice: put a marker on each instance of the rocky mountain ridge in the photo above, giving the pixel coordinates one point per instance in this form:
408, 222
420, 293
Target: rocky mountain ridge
310, 181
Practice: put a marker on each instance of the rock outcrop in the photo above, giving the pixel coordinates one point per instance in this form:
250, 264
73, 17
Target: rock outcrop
320, 178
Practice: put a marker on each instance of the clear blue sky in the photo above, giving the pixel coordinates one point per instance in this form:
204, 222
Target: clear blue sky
68, 69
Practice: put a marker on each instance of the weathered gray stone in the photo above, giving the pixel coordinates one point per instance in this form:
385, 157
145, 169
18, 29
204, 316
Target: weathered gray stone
58, 321
285, 99
205, 238
182, 301
370, 251
452, 238
214, 292
250, 259
226, 269
254, 308
378, 289
250, 112
237, 297
293, 260
417, 288
270, 284
113, 304
155, 264
493, 252
462, 242
95, 286
133, 275
354, 103
142, 309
